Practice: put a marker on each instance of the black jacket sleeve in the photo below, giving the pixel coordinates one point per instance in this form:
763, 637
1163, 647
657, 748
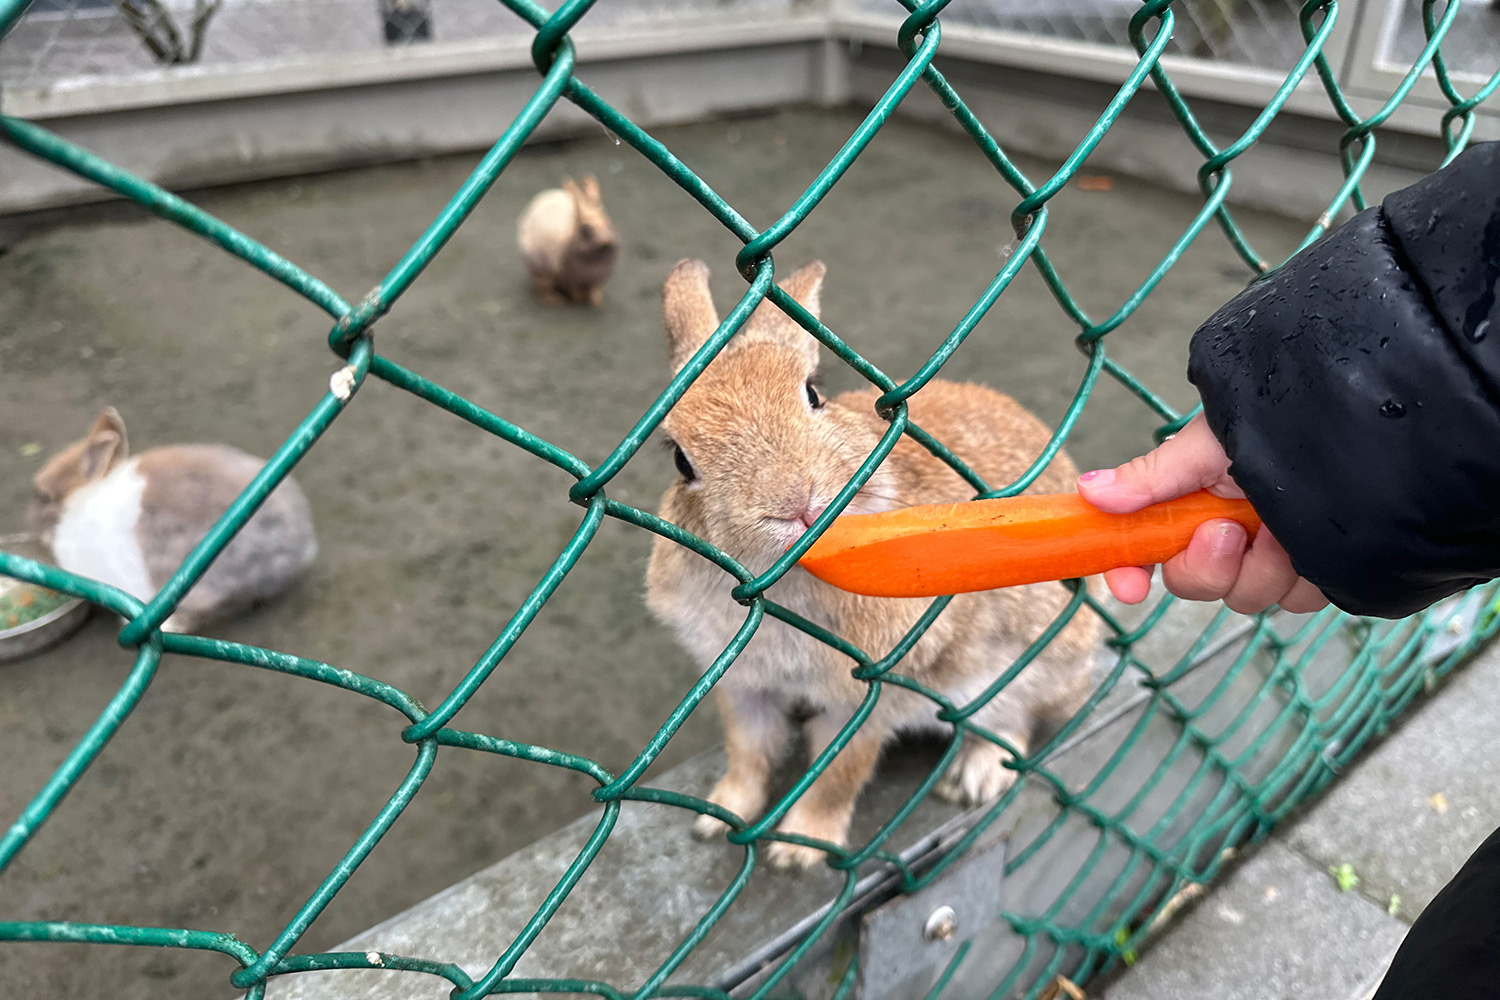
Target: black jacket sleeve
1453, 948
1356, 390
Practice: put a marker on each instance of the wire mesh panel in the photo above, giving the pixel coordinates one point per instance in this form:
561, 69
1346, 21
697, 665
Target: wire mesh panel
1253, 32
1473, 52
57, 40
1182, 750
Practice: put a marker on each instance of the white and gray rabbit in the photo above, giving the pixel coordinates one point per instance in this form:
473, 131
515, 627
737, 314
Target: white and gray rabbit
129, 521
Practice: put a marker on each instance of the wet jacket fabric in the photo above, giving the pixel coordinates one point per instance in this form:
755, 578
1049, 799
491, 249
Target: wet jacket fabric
1356, 390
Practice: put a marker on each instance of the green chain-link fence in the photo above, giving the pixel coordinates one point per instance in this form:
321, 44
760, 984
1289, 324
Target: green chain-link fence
1297, 699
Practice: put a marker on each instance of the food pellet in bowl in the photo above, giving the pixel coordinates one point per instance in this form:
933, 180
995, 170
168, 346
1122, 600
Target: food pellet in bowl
26, 602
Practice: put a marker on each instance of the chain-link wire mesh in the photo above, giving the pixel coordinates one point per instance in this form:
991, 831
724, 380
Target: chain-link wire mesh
119, 39
1247, 742
1253, 32
1472, 48
71, 39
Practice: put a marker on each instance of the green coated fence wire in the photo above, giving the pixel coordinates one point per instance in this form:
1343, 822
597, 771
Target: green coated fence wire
1253, 740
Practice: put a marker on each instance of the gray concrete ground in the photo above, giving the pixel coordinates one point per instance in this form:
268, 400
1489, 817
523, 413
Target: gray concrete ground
1277, 928
1405, 819
231, 792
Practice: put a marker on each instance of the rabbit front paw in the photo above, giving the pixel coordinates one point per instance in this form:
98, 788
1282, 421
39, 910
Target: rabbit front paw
793, 857
707, 827
744, 798
979, 775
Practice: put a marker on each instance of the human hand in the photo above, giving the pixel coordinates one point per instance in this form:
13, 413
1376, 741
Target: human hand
1221, 562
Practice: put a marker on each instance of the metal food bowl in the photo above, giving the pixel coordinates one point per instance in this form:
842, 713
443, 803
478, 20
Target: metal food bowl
48, 630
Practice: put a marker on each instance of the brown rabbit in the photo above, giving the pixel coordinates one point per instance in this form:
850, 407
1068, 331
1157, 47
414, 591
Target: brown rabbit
761, 454
130, 520
568, 242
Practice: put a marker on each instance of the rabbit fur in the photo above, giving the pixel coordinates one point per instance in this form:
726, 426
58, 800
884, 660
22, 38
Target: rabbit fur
130, 521
761, 455
568, 243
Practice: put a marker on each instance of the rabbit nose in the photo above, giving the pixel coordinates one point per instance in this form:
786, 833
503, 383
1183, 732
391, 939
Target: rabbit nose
796, 503
814, 508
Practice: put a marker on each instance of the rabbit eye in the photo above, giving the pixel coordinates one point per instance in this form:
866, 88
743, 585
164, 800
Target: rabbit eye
813, 399
683, 465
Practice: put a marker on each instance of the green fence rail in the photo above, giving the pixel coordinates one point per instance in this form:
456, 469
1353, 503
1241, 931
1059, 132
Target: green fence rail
1250, 761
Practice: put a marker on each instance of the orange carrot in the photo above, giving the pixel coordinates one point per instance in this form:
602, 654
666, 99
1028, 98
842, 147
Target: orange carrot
987, 544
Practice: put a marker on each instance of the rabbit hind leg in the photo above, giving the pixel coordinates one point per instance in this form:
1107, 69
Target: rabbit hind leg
544, 284
981, 772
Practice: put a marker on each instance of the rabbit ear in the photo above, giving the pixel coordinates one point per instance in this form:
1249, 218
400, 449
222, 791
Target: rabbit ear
591, 189
688, 311
84, 461
106, 445
806, 286
769, 322
571, 186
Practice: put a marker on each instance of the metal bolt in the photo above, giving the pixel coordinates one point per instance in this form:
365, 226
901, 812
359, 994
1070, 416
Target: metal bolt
942, 924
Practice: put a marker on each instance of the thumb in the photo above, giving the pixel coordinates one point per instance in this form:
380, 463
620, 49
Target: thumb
1192, 460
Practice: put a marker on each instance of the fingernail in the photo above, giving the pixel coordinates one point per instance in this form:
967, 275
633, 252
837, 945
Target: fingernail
1228, 539
1099, 477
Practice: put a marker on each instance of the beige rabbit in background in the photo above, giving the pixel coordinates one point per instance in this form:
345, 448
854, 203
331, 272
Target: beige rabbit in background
761, 453
568, 243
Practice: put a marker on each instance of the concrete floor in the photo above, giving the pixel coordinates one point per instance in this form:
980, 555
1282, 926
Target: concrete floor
231, 792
